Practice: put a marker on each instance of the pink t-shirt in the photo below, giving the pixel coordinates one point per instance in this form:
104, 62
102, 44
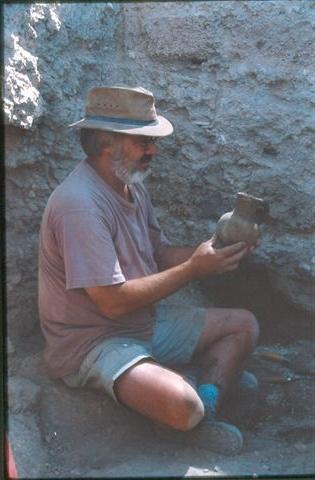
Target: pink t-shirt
91, 236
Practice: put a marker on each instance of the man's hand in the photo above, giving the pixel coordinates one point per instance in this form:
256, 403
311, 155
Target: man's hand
208, 260
253, 247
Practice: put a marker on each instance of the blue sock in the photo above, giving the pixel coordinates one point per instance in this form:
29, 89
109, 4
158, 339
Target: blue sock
209, 394
248, 382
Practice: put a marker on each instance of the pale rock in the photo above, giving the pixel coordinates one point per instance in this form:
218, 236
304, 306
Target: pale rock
76, 414
23, 394
300, 447
33, 367
28, 451
10, 347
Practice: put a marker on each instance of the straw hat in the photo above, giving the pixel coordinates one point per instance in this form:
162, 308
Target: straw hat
124, 110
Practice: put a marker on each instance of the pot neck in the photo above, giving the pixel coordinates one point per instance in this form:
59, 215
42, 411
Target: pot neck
245, 209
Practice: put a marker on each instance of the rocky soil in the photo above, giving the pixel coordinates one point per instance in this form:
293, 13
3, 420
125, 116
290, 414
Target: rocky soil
57, 432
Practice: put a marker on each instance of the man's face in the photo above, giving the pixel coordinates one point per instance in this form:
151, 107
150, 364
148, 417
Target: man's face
131, 157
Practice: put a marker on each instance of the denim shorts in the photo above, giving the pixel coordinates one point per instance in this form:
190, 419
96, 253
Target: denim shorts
176, 333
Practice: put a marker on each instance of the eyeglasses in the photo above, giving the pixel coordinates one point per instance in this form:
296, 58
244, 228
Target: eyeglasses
146, 141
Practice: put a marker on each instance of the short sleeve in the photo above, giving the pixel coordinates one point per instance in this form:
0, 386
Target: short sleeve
87, 248
157, 237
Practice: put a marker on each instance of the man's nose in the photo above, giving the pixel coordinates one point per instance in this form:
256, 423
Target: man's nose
152, 149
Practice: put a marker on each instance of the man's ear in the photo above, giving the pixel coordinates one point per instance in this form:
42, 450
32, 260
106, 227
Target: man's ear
106, 149
105, 143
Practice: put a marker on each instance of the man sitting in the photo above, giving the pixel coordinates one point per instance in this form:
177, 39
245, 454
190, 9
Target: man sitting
104, 266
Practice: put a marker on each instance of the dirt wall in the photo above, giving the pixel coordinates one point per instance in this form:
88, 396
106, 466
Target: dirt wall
236, 80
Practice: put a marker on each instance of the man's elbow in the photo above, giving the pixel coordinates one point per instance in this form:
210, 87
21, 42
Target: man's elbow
112, 302
113, 312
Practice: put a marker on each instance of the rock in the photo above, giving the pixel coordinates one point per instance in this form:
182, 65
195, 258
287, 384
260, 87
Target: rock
22, 103
244, 128
10, 347
23, 394
300, 447
33, 367
142, 468
276, 398
28, 451
84, 418
174, 37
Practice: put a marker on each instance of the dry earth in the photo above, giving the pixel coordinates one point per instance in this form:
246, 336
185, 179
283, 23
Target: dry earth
57, 432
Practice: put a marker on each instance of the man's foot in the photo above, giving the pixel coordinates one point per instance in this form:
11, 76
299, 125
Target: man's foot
246, 385
248, 382
209, 434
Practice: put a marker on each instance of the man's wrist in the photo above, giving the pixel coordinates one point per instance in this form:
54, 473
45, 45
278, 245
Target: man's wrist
190, 270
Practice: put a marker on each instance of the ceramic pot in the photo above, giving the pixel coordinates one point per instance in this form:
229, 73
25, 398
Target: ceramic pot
242, 223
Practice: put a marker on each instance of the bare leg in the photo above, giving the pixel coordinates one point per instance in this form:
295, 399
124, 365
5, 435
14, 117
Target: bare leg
160, 394
228, 338
165, 397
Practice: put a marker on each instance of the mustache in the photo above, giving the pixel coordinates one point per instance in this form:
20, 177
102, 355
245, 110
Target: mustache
146, 158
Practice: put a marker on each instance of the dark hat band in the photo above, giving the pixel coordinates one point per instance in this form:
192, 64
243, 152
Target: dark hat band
122, 121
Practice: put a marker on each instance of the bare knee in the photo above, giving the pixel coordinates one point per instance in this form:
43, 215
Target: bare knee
187, 412
160, 394
248, 326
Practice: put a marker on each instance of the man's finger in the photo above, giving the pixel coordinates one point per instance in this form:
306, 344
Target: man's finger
213, 239
232, 249
236, 257
230, 268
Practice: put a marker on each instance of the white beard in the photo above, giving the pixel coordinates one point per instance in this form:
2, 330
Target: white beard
138, 177
125, 175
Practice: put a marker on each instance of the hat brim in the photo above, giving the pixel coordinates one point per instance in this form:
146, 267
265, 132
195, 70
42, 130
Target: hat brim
161, 127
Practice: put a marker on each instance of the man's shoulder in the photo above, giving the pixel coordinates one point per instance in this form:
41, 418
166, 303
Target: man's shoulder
74, 195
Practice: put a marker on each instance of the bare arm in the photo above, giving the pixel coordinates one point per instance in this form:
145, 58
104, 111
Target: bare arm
170, 256
117, 300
